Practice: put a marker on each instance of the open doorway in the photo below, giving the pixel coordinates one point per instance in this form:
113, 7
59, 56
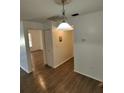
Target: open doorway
36, 46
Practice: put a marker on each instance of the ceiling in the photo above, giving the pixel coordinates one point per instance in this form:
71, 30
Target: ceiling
41, 9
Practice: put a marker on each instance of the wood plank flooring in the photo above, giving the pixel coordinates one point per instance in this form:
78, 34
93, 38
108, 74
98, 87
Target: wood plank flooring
60, 80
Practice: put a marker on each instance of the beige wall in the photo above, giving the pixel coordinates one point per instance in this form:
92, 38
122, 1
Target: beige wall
58, 52
36, 37
62, 51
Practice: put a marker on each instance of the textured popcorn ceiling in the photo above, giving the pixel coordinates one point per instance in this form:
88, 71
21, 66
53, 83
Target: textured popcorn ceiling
42, 9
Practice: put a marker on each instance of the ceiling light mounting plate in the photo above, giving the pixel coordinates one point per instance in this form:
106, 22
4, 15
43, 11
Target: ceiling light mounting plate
60, 2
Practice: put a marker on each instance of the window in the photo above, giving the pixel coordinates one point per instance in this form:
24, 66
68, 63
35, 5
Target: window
30, 40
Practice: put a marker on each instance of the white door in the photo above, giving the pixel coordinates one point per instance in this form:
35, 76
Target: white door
48, 47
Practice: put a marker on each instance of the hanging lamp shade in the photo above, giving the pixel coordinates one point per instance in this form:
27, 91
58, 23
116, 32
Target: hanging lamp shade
64, 26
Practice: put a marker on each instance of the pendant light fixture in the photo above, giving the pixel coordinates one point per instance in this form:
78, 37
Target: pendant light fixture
64, 26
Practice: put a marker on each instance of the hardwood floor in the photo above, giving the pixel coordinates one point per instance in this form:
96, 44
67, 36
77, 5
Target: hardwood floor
60, 80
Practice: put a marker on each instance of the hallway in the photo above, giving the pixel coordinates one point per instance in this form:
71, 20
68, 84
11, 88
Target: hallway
60, 80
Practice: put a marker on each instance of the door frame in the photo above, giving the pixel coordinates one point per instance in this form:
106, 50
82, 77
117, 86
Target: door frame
44, 47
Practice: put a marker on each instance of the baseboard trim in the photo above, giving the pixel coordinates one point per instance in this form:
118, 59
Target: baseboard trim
25, 70
88, 76
37, 50
63, 62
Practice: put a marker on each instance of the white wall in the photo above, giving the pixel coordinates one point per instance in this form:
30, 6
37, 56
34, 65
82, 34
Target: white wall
23, 53
88, 44
62, 51
36, 38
